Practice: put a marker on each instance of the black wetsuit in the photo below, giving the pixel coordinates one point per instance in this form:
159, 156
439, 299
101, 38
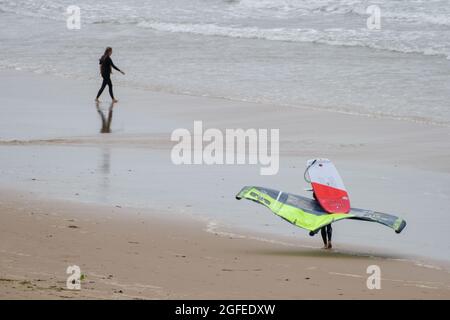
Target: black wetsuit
326, 231
106, 66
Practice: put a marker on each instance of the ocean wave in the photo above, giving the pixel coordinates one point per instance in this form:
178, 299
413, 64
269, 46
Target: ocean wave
435, 12
38, 9
385, 40
418, 17
305, 7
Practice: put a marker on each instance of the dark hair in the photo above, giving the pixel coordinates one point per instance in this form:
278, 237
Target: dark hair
107, 50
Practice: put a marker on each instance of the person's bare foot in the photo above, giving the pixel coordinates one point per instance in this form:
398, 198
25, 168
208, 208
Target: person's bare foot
96, 100
325, 246
329, 246
115, 100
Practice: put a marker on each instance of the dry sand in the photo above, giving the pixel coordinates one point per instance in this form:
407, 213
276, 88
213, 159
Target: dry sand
126, 253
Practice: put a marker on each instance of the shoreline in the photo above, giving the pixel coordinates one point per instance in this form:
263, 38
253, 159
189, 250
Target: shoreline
298, 107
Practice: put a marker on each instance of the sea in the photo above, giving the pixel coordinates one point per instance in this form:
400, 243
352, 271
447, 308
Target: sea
311, 53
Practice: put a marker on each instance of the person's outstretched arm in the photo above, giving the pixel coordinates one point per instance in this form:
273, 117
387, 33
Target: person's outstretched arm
114, 66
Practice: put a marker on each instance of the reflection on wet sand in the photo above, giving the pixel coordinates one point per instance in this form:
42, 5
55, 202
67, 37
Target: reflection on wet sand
106, 121
104, 167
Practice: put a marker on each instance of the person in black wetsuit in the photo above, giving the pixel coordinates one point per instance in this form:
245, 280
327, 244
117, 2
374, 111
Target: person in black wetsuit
327, 232
106, 66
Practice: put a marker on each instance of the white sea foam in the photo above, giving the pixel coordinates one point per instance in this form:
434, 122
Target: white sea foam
247, 18
392, 41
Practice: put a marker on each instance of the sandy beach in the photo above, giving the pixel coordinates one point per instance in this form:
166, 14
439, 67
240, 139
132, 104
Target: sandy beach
126, 253
140, 227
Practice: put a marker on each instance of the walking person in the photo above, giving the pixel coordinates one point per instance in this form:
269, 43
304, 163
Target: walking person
106, 66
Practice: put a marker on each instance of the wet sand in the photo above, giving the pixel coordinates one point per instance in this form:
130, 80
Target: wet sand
115, 205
